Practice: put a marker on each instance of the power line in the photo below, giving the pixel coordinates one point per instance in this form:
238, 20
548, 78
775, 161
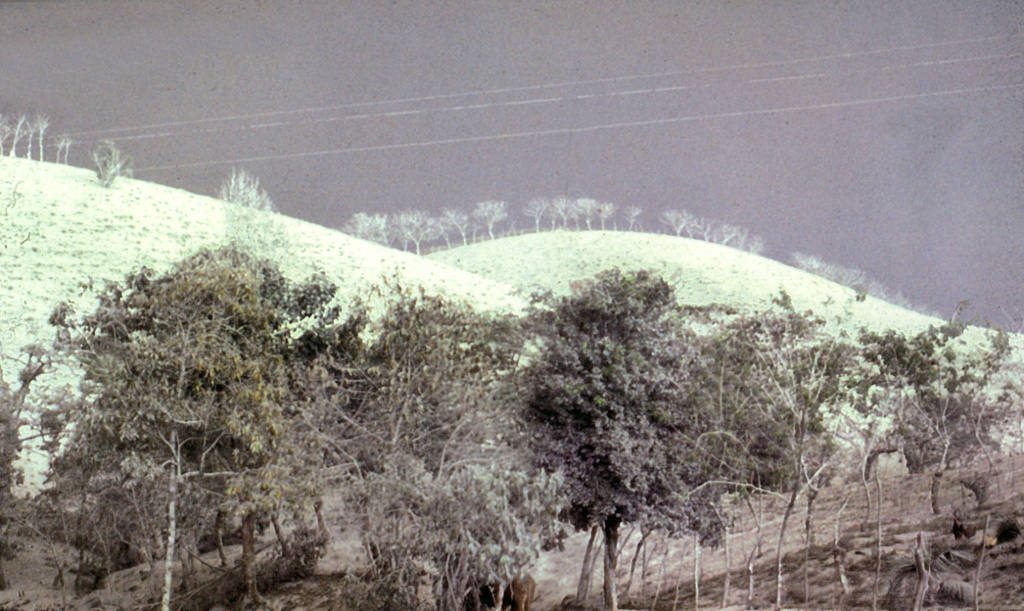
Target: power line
550, 100
592, 128
538, 87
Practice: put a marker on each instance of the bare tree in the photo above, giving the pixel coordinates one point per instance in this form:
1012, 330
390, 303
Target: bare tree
632, 214
564, 208
39, 124
537, 208
373, 228
587, 208
5, 131
458, 219
30, 129
490, 213
443, 227
699, 227
63, 143
16, 132
416, 226
676, 219
737, 237
605, 210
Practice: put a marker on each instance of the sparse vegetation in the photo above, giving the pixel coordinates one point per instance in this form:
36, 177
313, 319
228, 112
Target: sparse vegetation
417, 419
111, 163
243, 188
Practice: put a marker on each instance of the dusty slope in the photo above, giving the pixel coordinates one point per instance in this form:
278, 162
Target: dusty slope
60, 228
702, 272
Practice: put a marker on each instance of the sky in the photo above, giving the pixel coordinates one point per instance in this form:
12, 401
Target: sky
879, 134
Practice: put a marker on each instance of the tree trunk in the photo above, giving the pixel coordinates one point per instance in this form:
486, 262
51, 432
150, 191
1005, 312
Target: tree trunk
920, 553
644, 532
936, 480
696, 572
981, 561
249, 554
728, 568
218, 532
172, 533
878, 540
279, 532
812, 493
782, 538
321, 522
611, 560
583, 587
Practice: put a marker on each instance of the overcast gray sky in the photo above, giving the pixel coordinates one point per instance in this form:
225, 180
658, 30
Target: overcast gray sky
874, 133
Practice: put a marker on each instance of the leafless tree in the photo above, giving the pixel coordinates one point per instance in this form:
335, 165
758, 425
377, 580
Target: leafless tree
30, 129
701, 228
5, 132
605, 210
676, 219
737, 237
564, 208
537, 208
416, 226
16, 132
373, 228
443, 227
39, 124
490, 213
63, 143
458, 219
632, 214
587, 208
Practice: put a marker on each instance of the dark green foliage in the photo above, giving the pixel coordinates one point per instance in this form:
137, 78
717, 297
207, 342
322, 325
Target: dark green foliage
610, 398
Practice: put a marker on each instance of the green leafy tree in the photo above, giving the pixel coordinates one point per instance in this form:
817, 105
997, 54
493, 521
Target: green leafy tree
186, 378
609, 396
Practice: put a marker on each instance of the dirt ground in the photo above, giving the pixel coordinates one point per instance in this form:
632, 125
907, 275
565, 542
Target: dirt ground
663, 577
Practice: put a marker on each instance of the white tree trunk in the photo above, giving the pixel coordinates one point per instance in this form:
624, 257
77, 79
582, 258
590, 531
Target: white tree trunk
172, 532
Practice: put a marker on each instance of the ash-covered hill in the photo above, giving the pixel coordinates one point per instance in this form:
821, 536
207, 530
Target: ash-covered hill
59, 229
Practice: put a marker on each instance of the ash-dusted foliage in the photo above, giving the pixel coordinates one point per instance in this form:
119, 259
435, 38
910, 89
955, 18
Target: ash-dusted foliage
610, 398
770, 377
189, 381
942, 396
425, 428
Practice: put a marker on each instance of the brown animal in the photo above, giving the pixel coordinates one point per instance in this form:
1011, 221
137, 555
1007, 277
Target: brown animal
517, 595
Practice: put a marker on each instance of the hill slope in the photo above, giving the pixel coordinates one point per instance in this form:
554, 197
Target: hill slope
59, 228
702, 272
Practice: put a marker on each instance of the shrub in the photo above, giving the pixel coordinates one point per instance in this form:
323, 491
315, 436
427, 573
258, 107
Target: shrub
243, 188
111, 163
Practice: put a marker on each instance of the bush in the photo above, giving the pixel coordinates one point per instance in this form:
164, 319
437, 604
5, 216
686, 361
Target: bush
111, 163
243, 188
